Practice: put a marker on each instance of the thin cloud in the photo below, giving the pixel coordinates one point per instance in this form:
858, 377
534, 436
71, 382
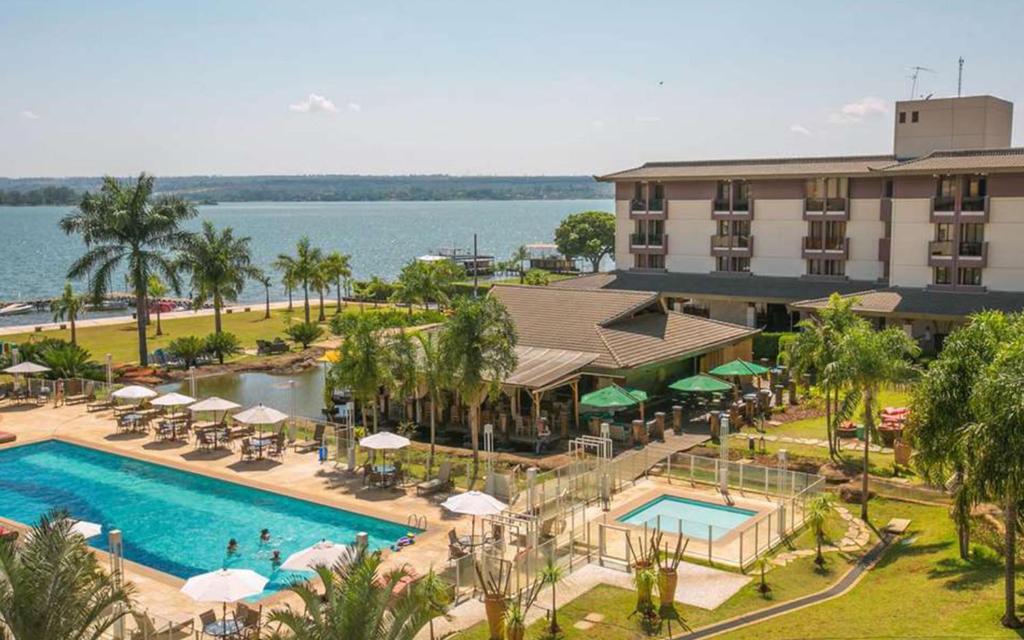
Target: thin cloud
800, 129
353, 106
859, 111
314, 103
29, 114
648, 119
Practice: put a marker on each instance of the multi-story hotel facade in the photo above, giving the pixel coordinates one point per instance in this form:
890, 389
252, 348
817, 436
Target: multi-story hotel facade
923, 236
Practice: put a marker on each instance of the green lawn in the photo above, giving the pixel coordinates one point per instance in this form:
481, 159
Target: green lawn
815, 427
920, 589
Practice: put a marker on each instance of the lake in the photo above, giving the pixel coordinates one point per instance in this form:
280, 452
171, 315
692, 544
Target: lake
380, 236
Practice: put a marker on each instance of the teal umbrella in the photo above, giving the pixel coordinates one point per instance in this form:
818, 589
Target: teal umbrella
613, 397
700, 384
739, 368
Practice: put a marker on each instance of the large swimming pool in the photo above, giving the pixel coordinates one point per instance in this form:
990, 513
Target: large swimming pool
171, 520
696, 519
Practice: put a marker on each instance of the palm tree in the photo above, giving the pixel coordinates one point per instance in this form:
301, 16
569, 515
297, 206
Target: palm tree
156, 289
70, 361
437, 594
518, 257
400, 360
817, 511
122, 226
867, 360
413, 284
302, 267
478, 343
219, 264
264, 279
356, 602
360, 366
551, 574
376, 289
337, 269
68, 305
52, 586
433, 375
321, 280
287, 279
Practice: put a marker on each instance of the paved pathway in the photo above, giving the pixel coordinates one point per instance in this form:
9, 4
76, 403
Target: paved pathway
813, 442
854, 540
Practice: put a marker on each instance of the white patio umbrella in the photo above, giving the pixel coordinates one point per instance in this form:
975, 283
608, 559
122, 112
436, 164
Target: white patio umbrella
173, 400
224, 586
324, 553
134, 393
26, 369
87, 529
384, 441
214, 404
260, 415
474, 503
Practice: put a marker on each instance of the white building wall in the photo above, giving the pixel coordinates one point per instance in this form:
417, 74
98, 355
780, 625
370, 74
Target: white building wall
1005, 236
623, 227
689, 228
778, 229
864, 230
911, 232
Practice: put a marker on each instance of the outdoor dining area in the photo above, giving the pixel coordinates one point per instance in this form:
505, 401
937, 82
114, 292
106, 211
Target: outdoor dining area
27, 391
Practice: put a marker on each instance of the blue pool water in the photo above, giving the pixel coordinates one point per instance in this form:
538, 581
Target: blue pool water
173, 521
695, 516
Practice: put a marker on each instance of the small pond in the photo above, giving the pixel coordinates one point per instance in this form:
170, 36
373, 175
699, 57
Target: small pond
305, 398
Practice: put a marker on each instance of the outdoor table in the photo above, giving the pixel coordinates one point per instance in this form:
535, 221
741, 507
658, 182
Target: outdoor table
260, 444
224, 628
131, 419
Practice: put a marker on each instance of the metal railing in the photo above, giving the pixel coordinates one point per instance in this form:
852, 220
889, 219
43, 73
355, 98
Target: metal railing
647, 239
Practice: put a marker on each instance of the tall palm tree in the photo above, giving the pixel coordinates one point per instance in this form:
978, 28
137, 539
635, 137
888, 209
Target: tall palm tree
321, 280
361, 366
518, 257
338, 270
264, 279
219, 264
288, 279
52, 586
122, 226
68, 305
551, 574
156, 290
357, 601
817, 511
413, 284
303, 267
478, 343
867, 360
433, 375
376, 289
400, 360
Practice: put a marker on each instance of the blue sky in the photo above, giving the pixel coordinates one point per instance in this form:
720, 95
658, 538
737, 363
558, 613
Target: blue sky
243, 87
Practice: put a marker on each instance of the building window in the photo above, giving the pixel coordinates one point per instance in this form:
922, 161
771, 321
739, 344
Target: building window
944, 232
970, 276
638, 191
642, 261
887, 189
913, 116
732, 264
972, 232
941, 275
977, 187
820, 267
722, 195
741, 195
903, 117
946, 187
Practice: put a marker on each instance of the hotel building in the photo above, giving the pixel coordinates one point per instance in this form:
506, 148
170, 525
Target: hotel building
922, 236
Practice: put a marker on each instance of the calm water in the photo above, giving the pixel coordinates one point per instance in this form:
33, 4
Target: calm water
251, 388
694, 516
174, 521
380, 236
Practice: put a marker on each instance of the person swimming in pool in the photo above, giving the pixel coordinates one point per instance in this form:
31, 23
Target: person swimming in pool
232, 547
275, 559
264, 536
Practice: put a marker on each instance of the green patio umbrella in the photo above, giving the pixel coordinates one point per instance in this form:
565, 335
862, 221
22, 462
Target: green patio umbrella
700, 384
739, 368
613, 397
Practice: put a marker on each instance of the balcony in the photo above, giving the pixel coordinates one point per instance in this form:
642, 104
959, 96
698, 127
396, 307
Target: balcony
830, 248
972, 209
825, 209
940, 253
653, 209
973, 254
648, 243
732, 246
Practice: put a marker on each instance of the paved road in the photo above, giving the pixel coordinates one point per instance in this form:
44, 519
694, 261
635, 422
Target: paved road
838, 588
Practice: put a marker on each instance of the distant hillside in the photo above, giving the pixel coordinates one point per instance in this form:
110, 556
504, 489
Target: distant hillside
333, 188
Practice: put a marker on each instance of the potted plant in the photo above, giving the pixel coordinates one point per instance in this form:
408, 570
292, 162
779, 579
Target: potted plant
518, 607
495, 588
645, 574
668, 579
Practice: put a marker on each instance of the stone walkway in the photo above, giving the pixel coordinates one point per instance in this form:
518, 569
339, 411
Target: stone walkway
856, 538
816, 442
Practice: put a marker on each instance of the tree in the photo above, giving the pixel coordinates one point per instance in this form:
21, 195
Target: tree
478, 343
68, 360
68, 305
288, 279
817, 511
305, 333
361, 366
538, 278
220, 345
156, 289
414, 284
188, 349
264, 279
376, 289
551, 574
868, 359
434, 377
52, 586
219, 264
517, 261
122, 226
400, 360
337, 270
321, 281
302, 267
589, 235
356, 601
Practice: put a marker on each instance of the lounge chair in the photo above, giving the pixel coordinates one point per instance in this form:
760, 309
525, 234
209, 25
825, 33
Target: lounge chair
248, 453
441, 482
88, 394
145, 629
302, 446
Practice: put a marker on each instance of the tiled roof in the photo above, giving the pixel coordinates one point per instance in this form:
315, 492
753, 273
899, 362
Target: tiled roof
751, 168
925, 302
538, 367
624, 328
1010, 158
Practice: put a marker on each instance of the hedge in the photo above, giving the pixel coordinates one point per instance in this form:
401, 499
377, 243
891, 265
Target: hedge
766, 344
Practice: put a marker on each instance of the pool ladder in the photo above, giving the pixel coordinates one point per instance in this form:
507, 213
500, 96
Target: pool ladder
418, 521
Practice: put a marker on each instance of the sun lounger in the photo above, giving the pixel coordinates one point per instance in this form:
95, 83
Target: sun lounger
145, 628
303, 446
441, 482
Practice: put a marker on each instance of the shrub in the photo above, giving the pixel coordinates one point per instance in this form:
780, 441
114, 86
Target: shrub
222, 344
305, 333
188, 349
344, 323
766, 345
537, 277
70, 361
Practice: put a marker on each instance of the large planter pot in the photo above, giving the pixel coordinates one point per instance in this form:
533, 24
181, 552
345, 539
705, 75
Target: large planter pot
667, 581
495, 608
516, 632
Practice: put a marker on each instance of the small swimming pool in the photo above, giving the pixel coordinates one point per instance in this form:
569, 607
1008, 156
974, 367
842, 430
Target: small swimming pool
694, 516
174, 521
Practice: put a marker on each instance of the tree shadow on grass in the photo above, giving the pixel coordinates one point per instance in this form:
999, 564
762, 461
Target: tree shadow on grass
899, 550
976, 573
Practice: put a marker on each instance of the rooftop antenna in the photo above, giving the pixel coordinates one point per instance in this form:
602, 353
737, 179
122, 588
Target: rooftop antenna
960, 77
917, 71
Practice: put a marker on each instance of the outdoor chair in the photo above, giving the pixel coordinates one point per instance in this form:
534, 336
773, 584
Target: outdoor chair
302, 446
441, 482
278, 446
99, 405
250, 619
248, 453
207, 617
88, 393
145, 629
205, 439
